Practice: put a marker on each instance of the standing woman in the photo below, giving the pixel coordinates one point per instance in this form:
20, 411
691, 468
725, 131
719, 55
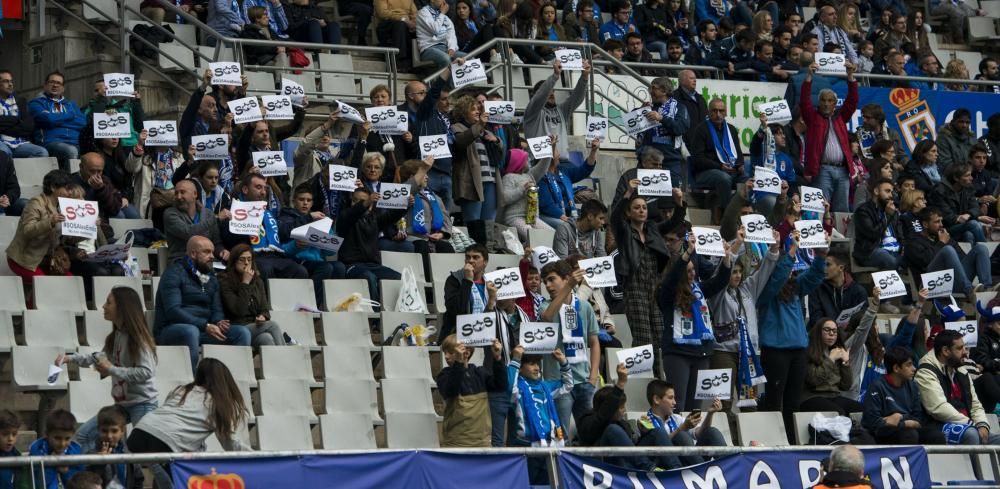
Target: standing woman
642, 255
477, 158
244, 297
783, 332
917, 31
38, 230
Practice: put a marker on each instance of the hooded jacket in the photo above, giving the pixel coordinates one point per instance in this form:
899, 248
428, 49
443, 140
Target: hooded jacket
870, 224
781, 323
732, 303
542, 120
953, 147
885, 399
828, 301
57, 120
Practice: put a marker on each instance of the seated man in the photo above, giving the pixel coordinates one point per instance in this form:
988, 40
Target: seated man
11, 203
933, 249
313, 259
838, 292
98, 188
189, 305
716, 156
956, 199
893, 413
359, 225
16, 126
187, 218
764, 64
58, 121
877, 231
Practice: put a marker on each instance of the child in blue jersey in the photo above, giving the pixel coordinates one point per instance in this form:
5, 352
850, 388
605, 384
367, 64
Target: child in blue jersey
538, 423
9, 426
60, 427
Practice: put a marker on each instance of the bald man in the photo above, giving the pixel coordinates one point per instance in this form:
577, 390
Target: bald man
188, 218
97, 187
846, 469
189, 306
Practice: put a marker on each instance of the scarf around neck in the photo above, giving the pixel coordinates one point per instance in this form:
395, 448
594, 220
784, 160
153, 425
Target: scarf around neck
725, 148
534, 428
694, 326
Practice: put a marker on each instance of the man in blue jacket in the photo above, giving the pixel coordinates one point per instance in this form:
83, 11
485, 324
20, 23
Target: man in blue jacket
893, 412
428, 117
189, 306
58, 121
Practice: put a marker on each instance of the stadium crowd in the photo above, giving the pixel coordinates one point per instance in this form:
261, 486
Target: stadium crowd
772, 313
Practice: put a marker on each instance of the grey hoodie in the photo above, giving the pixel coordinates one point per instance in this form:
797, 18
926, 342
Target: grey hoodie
541, 120
725, 307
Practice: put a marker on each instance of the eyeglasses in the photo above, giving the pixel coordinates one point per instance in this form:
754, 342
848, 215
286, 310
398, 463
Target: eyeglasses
53, 82
830, 330
7, 81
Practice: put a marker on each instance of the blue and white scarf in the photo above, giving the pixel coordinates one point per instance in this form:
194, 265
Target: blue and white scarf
889, 241
8, 107
554, 181
572, 332
953, 432
750, 372
668, 110
418, 218
725, 148
694, 326
534, 429
872, 372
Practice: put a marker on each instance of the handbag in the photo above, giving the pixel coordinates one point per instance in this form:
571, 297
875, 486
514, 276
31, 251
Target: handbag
297, 58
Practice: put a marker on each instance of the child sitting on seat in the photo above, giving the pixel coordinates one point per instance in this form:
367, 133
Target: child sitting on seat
684, 432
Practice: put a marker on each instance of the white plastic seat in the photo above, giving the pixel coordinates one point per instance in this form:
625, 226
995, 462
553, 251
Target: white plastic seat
259, 81
8, 226
239, 359
354, 396
338, 86
12, 299
391, 320
622, 330
103, 286
60, 293
86, 398
766, 427
635, 395
347, 362
347, 431
306, 79
336, 62
182, 54
7, 341
347, 329
286, 397
801, 420
212, 443
440, 306
120, 226
500, 261
541, 237
406, 396
442, 264
286, 362
31, 171
88, 374
280, 432
946, 467
411, 431
174, 363
407, 362
298, 325
30, 191
336, 291
390, 293
31, 368
50, 328
287, 293
399, 261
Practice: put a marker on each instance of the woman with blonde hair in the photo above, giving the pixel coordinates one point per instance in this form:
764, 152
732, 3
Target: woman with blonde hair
763, 25
956, 70
850, 21
477, 158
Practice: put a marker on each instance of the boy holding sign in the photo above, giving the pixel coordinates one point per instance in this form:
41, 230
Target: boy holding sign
683, 431
463, 387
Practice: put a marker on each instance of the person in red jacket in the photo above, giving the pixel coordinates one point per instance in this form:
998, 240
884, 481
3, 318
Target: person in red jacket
829, 162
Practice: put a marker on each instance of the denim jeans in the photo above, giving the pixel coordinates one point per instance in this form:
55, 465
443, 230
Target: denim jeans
440, 183
971, 437
87, 435
720, 182
658, 47
486, 209
575, 404
975, 263
438, 54
63, 152
311, 31
710, 437
24, 150
128, 212
836, 187
970, 231
320, 271
192, 337
372, 272
764, 203
616, 436
500, 412
386, 244
882, 259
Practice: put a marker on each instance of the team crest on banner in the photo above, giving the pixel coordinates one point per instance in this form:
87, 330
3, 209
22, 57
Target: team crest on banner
916, 121
216, 481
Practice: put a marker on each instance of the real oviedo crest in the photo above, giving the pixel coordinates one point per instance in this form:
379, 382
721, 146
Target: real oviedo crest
216, 481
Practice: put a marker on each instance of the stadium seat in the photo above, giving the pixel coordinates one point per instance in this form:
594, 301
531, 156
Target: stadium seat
352, 396
541, 237
31, 171
347, 329
442, 264
399, 261
335, 61
60, 293
622, 330
337, 291
280, 432
338, 86
30, 191
439, 301
7, 341
290, 294
50, 328
766, 427
286, 362
286, 396
390, 293
347, 362
173, 363
500, 261
260, 82
411, 431
8, 226
298, 326
239, 359
121, 226
183, 55
212, 444
392, 320
86, 398
406, 396
802, 420
407, 362
347, 431
88, 374
31, 367
12, 299
946, 467
635, 396
699, 217
103, 286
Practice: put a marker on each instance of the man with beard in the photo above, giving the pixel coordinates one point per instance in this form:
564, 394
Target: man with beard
187, 218
989, 70
991, 140
189, 306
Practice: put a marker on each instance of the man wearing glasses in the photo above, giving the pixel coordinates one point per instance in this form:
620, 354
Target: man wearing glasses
16, 126
620, 23
58, 121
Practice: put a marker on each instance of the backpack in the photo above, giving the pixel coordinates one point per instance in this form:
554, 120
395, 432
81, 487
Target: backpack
153, 36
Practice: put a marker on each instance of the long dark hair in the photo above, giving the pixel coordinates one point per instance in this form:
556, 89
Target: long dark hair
462, 31
228, 410
234, 258
131, 321
921, 149
818, 352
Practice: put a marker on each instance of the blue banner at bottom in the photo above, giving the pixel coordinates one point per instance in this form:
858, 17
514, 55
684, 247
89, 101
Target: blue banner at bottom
892, 468
390, 470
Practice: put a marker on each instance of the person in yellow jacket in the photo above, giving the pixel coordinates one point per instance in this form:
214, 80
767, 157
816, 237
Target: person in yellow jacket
846, 470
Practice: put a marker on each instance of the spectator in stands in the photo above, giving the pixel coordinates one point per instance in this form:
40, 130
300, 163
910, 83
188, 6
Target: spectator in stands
933, 249
716, 156
101, 104
261, 136
675, 54
426, 236
911, 202
947, 394
794, 89
688, 337
828, 153
86, 480
703, 50
11, 203
16, 125
468, 28
544, 117
642, 254
783, 49
764, 64
991, 141
477, 159
583, 25
301, 213
927, 66
362, 13
395, 27
315, 151
97, 186
674, 122
226, 18
850, 21
846, 469
793, 21
923, 167
244, 298
782, 330
957, 201
828, 31
955, 139
536, 421
277, 22
436, 39
38, 229
112, 421
590, 239
656, 24
429, 117
518, 179
153, 182
620, 23
694, 103
60, 425
120, 165
838, 292
810, 43
10, 425
988, 70
737, 52
359, 225
892, 409
189, 308
866, 56
986, 354
212, 196
463, 387
128, 356
391, 238
555, 191
393, 148
635, 52
712, 11
583, 349
877, 230
307, 23
895, 37
957, 12
984, 182
465, 291
202, 116
549, 30
188, 218
689, 431
874, 129
260, 26
58, 121
762, 26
